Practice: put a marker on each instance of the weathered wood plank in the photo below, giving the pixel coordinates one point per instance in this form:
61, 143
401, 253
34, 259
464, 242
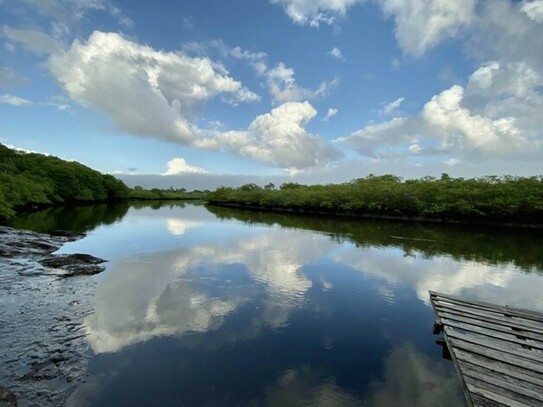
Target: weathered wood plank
497, 318
497, 356
495, 327
492, 334
522, 313
498, 394
502, 380
513, 371
480, 401
514, 349
497, 350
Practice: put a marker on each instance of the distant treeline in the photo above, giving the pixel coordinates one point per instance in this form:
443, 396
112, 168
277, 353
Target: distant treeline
140, 194
29, 180
491, 198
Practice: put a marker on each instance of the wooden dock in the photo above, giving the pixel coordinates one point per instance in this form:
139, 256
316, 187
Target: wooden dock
497, 351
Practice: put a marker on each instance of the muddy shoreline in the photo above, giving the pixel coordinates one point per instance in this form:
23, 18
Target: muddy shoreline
44, 298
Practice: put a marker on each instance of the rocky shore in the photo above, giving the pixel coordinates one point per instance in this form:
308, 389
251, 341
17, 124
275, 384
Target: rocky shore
44, 298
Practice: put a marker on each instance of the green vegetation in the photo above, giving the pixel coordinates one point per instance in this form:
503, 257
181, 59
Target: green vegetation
29, 180
486, 199
140, 194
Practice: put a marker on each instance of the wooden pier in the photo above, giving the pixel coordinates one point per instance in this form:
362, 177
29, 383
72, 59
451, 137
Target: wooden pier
497, 351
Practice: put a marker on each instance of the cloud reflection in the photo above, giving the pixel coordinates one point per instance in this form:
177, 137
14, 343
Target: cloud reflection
168, 294
193, 289
505, 284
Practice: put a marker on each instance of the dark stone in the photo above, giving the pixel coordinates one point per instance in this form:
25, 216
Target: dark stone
7, 398
75, 264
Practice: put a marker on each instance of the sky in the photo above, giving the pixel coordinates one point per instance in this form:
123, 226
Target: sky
204, 93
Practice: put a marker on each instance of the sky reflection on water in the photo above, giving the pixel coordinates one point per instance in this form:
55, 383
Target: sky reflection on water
194, 310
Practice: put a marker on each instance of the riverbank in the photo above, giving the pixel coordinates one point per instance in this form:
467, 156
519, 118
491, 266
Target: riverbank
43, 305
374, 216
513, 201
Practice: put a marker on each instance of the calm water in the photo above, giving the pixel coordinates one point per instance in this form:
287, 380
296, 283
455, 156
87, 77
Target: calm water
217, 307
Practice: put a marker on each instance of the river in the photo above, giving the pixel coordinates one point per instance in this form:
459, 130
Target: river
208, 306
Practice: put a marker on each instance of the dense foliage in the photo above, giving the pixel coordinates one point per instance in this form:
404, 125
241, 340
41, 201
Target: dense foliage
140, 194
29, 180
508, 198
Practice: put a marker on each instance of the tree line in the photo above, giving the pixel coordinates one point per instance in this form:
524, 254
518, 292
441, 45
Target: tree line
30, 180
490, 198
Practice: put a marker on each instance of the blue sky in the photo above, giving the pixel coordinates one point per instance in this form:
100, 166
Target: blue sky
210, 92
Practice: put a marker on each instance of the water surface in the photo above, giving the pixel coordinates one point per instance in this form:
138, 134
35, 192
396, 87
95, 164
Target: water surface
212, 306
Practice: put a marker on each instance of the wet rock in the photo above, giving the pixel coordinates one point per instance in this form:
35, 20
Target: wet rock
7, 398
24, 243
75, 264
43, 340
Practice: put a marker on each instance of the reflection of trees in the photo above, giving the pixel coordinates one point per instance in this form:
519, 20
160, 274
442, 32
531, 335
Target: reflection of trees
81, 218
497, 246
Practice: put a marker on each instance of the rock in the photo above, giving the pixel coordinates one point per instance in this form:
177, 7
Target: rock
43, 347
7, 398
75, 264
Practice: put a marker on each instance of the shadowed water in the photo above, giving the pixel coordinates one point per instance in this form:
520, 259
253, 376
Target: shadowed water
212, 306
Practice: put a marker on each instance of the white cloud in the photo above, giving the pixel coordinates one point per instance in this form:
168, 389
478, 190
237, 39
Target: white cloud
336, 53
330, 113
315, 12
32, 40
415, 148
459, 128
451, 161
256, 59
392, 106
157, 94
283, 88
180, 166
145, 92
280, 139
533, 9
23, 150
422, 24
376, 140
14, 100
496, 115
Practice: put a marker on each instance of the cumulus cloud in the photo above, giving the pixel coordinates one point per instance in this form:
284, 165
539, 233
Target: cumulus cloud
336, 53
497, 114
179, 166
392, 106
145, 92
315, 12
422, 24
533, 9
280, 139
330, 113
283, 88
32, 40
459, 128
14, 100
157, 94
